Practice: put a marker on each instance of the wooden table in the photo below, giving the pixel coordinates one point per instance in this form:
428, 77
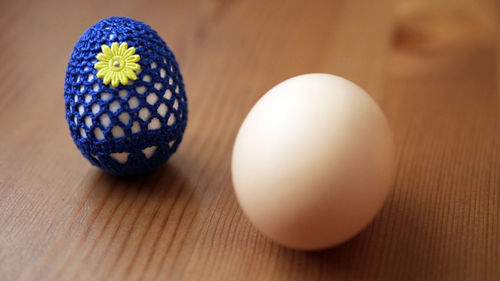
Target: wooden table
431, 65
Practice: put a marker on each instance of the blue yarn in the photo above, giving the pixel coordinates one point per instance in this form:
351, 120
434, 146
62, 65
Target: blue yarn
83, 92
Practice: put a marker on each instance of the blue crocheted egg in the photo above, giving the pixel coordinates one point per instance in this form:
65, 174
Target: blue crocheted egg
125, 102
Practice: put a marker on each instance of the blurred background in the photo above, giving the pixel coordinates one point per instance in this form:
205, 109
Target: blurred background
432, 66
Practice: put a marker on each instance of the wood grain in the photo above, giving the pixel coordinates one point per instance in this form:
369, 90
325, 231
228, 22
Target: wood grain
431, 65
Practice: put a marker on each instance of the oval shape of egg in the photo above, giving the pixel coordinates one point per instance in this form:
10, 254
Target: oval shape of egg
313, 161
126, 106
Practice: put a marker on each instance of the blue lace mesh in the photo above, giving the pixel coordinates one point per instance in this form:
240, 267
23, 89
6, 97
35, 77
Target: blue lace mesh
130, 129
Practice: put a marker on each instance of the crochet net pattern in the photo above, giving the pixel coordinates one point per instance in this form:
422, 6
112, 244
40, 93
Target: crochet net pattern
132, 128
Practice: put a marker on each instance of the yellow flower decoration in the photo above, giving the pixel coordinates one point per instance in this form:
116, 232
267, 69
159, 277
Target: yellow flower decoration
117, 64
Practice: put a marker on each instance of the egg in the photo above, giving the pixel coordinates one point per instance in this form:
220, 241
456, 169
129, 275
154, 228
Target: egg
126, 107
313, 162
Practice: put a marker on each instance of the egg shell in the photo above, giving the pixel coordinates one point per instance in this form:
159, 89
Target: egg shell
313, 161
126, 129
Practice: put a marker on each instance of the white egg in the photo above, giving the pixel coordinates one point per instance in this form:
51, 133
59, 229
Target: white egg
313, 161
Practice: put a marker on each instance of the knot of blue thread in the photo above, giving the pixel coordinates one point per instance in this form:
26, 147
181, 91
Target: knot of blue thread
133, 128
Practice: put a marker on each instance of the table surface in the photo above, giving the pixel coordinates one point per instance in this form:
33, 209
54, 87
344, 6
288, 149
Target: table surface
432, 66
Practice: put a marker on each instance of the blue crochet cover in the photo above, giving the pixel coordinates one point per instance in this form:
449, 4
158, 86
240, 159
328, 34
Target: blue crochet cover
133, 128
